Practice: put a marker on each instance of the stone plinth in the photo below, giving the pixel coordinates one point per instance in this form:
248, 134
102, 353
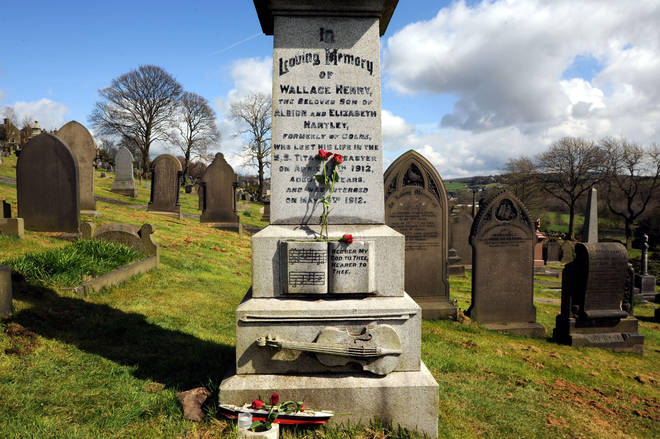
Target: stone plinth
388, 247
12, 227
409, 399
5, 291
300, 320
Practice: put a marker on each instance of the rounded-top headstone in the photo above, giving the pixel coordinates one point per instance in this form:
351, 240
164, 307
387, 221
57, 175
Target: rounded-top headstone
216, 196
47, 185
82, 144
124, 182
166, 174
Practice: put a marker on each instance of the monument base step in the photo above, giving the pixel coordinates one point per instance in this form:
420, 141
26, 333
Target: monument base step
162, 212
408, 399
527, 329
436, 308
227, 227
619, 336
92, 213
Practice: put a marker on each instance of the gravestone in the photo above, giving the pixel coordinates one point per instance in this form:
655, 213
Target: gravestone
502, 239
459, 235
124, 182
82, 145
5, 291
644, 282
538, 245
217, 196
590, 229
47, 186
596, 300
266, 215
416, 206
6, 209
454, 265
553, 251
316, 306
165, 183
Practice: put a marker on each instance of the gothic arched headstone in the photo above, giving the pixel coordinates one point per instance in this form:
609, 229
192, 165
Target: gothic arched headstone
502, 239
416, 206
165, 182
47, 186
82, 145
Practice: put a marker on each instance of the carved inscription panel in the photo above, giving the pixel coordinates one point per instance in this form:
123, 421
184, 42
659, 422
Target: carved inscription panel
606, 275
326, 95
351, 269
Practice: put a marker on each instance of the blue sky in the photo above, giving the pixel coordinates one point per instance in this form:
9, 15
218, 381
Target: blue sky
468, 84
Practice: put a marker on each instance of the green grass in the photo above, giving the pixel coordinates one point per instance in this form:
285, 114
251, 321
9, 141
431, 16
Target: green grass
71, 265
110, 365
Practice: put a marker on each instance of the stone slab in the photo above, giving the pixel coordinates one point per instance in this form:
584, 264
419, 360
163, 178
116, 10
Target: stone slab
326, 95
615, 335
388, 250
12, 227
408, 399
5, 291
435, 308
527, 329
302, 320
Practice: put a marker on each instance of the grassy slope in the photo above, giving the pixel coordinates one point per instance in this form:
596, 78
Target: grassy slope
110, 365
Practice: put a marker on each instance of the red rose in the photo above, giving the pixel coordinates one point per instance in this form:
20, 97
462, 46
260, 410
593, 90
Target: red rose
324, 154
257, 404
302, 408
274, 399
338, 158
347, 238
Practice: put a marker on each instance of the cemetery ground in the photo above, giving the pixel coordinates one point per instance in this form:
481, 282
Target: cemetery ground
110, 364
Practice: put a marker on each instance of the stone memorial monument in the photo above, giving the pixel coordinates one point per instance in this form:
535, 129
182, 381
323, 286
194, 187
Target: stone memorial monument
644, 282
502, 239
459, 235
553, 251
416, 206
596, 300
217, 195
47, 186
82, 145
590, 229
328, 322
165, 183
124, 182
6, 295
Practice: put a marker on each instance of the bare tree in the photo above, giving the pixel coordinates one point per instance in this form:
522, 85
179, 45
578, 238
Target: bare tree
632, 176
521, 179
137, 107
569, 169
254, 116
194, 128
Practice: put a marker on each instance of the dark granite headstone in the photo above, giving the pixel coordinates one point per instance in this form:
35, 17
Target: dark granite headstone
47, 186
502, 239
6, 209
459, 236
416, 206
596, 300
82, 145
217, 194
166, 176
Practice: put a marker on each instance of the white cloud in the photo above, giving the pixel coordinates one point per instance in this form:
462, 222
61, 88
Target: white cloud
394, 127
50, 114
504, 63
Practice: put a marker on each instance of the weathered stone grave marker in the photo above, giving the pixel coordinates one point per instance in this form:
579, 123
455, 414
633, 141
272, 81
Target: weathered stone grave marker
6, 295
502, 239
459, 235
596, 300
124, 182
327, 96
47, 186
82, 145
590, 229
416, 206
217, 194
644, 282
165, 183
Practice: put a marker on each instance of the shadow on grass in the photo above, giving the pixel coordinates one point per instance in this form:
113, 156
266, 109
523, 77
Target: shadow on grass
174, 358
647, 319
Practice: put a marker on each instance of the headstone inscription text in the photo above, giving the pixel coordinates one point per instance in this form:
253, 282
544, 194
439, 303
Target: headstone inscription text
351, 269
326, 97
419, 222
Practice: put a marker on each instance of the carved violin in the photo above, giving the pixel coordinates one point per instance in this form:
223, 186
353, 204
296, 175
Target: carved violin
376, 348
